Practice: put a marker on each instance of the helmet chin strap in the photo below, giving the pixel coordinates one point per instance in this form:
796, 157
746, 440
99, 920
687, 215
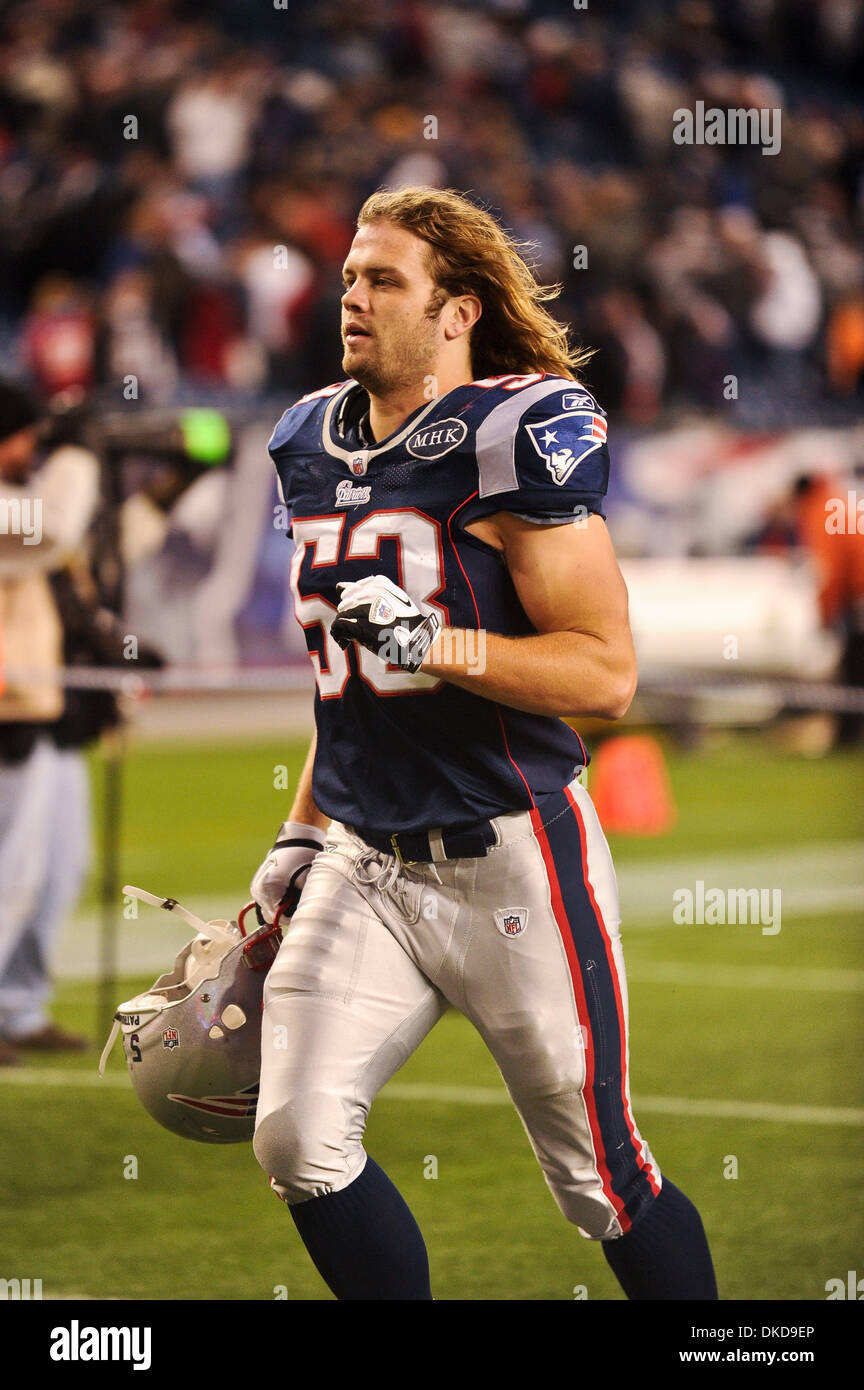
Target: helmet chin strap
107, 1049
214, 931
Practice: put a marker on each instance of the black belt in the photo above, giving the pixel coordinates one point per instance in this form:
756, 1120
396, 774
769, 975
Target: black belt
415, 846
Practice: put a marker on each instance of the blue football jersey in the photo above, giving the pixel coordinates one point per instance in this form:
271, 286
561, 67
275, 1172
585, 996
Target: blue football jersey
400, 751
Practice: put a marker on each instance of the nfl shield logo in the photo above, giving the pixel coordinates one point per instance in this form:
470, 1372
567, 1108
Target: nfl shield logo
170, 1038
511, 921
381, 612
358, 465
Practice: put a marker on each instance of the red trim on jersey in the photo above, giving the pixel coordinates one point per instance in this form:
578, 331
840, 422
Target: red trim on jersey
510, 381
352, 554
315, 563
561, 919
619, 1003
298, 559
512, 759
458, 556
323, 391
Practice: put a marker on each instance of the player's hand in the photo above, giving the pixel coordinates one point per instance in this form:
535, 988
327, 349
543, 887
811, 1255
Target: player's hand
380, 616
280, 879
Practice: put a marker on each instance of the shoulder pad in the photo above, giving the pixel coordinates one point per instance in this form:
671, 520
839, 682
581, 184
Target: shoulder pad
299, 414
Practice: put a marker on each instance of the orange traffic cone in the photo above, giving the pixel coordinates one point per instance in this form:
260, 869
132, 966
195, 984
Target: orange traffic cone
629, 786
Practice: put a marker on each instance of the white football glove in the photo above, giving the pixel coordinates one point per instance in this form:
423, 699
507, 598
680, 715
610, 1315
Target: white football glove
280, 879
380, 616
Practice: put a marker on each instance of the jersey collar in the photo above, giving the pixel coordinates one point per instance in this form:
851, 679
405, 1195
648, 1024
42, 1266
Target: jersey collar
334, 412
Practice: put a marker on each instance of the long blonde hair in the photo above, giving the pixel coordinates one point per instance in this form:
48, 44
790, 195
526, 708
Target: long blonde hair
469, 253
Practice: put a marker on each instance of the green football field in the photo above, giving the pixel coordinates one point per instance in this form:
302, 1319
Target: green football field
746, 1065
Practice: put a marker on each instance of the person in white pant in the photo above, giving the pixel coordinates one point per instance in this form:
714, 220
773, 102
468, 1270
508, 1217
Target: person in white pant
457, 601
45, 512
44, 852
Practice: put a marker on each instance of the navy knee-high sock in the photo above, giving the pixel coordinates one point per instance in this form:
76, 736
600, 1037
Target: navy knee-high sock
364, 1241
665, 1254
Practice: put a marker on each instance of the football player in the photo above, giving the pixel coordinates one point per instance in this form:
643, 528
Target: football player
460, 597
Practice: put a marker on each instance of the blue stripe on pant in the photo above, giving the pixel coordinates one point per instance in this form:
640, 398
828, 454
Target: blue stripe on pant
566, 836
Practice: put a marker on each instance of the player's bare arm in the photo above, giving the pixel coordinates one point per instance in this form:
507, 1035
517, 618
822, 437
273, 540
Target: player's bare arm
278, 882
581, 662
303, 809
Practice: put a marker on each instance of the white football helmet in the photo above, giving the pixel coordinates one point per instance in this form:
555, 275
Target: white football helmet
193, 1040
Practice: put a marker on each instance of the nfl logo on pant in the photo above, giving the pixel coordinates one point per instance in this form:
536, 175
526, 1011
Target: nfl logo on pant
511, 921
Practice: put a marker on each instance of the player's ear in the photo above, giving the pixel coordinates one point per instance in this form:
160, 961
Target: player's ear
461, 315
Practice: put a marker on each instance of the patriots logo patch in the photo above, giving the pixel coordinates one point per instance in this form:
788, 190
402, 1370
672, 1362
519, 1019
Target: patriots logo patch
241, 1106
565, 441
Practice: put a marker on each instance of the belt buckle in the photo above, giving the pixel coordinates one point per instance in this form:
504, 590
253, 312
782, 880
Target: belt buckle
396, 850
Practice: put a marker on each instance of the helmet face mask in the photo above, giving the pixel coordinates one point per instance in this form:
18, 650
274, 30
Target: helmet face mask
193, 1040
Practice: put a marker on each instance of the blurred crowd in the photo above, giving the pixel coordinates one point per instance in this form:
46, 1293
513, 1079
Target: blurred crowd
178, 183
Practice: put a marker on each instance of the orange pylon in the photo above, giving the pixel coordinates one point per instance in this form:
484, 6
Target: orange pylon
630, 788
